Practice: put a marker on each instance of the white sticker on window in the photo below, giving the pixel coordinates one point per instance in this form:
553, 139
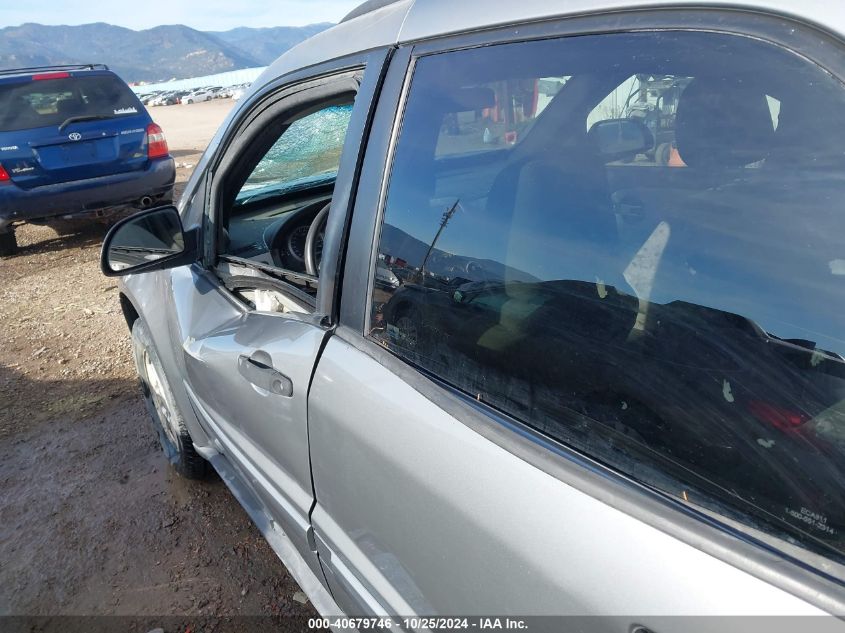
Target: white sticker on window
813, 519
837, 266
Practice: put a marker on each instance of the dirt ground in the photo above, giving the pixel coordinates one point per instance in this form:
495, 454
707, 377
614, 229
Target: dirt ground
93, 521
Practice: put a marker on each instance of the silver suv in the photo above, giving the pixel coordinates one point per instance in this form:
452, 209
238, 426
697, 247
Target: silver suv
521, 308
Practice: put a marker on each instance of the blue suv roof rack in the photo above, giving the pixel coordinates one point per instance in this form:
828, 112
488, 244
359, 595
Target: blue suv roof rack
24, 71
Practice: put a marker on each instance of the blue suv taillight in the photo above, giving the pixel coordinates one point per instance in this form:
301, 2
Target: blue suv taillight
156, 143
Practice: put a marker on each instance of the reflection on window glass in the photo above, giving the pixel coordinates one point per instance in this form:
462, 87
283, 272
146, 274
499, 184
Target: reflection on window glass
496, 114
774, 110
309, 150
665, 293
651, 99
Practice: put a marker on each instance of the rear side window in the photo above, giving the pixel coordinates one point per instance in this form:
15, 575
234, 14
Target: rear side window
50, 102
651, 272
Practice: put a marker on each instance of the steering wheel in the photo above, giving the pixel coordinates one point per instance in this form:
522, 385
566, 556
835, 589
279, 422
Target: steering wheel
312, 266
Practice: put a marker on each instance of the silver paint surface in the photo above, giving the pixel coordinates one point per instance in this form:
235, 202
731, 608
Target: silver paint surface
406, 492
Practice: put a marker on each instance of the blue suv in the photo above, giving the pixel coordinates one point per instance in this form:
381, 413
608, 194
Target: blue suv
75, 143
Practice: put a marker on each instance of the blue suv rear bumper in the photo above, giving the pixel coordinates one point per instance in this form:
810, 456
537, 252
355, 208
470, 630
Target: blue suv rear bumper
91, 197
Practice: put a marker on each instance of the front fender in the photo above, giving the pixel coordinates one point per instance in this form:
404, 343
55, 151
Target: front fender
151, 296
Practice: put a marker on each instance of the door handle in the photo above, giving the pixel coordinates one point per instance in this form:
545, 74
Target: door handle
258, 370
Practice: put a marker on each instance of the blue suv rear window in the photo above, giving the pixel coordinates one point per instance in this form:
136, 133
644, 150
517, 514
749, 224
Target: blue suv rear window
44, 103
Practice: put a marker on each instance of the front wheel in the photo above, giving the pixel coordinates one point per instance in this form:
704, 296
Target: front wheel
8, 244
170, 425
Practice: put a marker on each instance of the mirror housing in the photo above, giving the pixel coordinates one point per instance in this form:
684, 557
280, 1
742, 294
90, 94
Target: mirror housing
147, 241
620, 138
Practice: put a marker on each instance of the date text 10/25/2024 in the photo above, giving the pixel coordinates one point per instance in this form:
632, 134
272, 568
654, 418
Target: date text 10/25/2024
416, 623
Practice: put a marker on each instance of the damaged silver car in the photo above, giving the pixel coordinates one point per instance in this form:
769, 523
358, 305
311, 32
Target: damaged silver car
536, 309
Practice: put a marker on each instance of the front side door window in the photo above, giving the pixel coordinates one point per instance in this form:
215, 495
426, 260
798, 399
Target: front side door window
274, 201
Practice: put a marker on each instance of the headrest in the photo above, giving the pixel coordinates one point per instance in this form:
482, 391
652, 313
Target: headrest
476, 98
23, 105
722, 123
66, 107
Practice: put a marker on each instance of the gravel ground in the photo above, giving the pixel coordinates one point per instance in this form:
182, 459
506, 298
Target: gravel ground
93, 521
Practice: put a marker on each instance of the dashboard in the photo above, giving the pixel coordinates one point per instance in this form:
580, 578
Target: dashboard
276, 234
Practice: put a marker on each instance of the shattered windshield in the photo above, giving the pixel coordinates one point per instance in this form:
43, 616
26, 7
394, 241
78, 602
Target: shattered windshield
307, 153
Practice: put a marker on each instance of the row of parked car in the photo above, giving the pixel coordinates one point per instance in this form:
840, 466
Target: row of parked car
197, 95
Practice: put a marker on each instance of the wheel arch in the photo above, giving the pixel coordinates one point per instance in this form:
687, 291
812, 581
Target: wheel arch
133, 308
130, 314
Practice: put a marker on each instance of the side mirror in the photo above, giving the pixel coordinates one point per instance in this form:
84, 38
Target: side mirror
146, 241
621, 138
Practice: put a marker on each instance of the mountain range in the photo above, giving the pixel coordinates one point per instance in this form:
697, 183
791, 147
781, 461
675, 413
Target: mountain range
397, 243
156, 54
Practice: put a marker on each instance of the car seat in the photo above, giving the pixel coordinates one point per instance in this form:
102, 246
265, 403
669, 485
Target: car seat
21, 114
67, 107
554, 210
723, 123
557, 213
725, 223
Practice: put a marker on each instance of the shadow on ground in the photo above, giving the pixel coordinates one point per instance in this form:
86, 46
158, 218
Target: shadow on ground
181, 153
28, 402
94, 521
83, 236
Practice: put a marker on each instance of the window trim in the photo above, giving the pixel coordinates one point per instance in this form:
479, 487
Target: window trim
285, 105
806, 576
360, 73
772, 29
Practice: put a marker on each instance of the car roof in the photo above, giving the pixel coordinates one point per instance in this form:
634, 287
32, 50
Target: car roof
425, 17
379, 23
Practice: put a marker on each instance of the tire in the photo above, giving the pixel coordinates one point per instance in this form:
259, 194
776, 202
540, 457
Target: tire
8, 244
661, 154
168, 421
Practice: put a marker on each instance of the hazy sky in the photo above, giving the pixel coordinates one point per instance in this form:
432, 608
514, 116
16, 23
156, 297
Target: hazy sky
207, 15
